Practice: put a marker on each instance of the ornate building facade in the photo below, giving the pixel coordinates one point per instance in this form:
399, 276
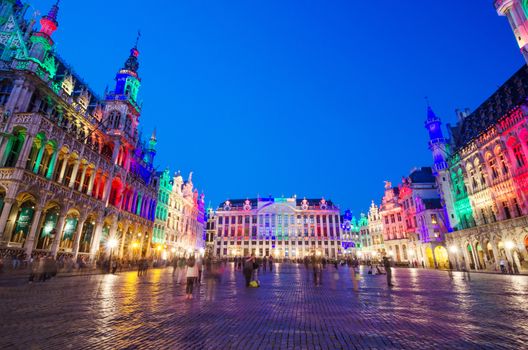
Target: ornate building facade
74, 171
180, 217
487, 169
482, 168
279, 227
375, 227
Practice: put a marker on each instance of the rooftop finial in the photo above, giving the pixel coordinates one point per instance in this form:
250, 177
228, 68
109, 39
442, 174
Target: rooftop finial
137, 39
52, 14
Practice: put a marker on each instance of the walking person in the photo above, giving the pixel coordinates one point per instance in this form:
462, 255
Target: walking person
450, 270
388, 270
174, 266
192, 274
265, 263
317, 267
182, 270
270, 262
248, 269
355, 282
140, 267
114, 267
199, 265
465, 270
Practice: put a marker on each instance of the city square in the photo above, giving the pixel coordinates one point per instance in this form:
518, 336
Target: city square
263, 175
424, 310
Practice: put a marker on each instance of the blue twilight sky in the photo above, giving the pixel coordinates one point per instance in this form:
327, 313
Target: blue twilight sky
283, 97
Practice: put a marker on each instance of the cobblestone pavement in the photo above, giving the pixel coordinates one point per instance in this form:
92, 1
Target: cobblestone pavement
424, 310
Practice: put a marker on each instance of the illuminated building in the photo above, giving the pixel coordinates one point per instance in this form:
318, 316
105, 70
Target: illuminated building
279, 227
425, 221
516, 11
375, 227
210, 232
413, 221
348, 233
74, 169
483, 168
394, 234
180, 216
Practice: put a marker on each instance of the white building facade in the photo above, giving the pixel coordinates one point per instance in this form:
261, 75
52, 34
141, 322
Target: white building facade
285, 228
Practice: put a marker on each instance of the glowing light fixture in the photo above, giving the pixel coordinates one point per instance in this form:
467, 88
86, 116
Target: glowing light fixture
509, 245
111, 243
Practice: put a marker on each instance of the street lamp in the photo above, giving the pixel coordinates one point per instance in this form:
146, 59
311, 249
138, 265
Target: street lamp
509, 245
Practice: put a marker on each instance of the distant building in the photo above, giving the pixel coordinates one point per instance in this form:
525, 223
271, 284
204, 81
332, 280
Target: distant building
375, 227
279, 227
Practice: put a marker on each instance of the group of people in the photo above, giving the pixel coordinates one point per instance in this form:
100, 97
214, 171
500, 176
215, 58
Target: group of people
43, 268
189, 268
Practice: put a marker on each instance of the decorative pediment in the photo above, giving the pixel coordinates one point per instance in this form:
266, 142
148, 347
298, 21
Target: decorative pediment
67, 84
84, 98
12, 39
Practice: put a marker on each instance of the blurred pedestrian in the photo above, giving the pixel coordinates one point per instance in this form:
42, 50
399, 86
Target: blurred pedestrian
317, 269
465, 270
114, 267
182, 270
388, 270
192, 274
270, 262
248, 269
450, 270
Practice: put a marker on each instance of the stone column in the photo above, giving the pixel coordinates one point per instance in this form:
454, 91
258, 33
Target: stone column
6, 210
83, 175
53, 162
30, 241
91, 182
123, 238
74, 173
96, 238
63, 169
60, 230
107, 188
24, 153
38, 159
77, 237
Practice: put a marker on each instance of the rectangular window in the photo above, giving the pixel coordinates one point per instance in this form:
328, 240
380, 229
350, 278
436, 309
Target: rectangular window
434, 219
507, 213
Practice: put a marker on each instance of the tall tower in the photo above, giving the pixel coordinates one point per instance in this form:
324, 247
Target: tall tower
517, 13
440, 150
41, 41
122, 111
151, 149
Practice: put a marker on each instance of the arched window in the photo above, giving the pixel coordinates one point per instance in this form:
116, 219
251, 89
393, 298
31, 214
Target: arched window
128, 124
15, 145
6, 86
519, 155
47, 157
